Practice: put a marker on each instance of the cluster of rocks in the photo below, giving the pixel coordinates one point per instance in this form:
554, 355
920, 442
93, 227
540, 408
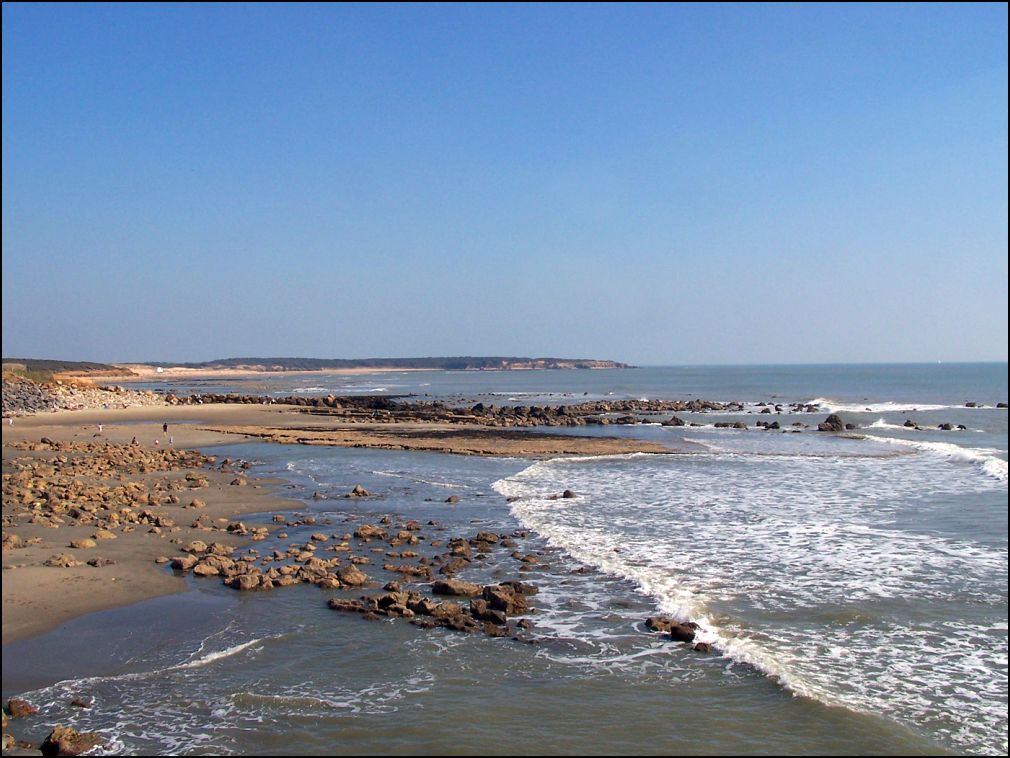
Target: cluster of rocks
487, 611
22, 397
678, 631
944, 427
394, 547
102, 486
62, 740
85, 483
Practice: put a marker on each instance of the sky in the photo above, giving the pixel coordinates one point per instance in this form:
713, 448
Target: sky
655, 184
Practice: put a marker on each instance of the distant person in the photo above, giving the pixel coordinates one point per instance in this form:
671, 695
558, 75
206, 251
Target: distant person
164, 427
157, 443
134, 441
171, 440
100, 427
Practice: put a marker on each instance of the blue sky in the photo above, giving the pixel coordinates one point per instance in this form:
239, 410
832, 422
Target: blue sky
672, 184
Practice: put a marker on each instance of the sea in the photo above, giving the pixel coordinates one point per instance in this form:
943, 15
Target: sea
853, 586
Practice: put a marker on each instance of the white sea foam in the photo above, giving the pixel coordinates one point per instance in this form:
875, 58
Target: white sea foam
884, 424
984, 458
716, 537
840, 406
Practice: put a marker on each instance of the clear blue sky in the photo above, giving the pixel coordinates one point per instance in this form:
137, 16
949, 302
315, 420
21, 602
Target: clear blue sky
672, 184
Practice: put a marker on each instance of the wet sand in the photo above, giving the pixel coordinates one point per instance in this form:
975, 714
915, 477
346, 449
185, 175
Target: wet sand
37, 598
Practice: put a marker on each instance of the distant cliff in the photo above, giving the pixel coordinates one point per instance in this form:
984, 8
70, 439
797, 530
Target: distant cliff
458, 363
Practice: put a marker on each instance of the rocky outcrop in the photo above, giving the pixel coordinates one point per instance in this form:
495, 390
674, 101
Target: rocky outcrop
832, 423
22, 397
66, 741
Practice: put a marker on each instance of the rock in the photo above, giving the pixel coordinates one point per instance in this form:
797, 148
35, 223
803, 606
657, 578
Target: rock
184, 562
369, 532
682, 632
659, 623
79, 702
18, 708
66, 741
452, 499
703, 647
455, 587
350, 606
353, 576
104, 534
568, 495
503, 597
358, 491
205, 569
674, 421
84, 544
832, 423
101, 562
453, 565
63, 560
480, 610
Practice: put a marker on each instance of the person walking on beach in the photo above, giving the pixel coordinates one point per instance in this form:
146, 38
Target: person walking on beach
164, 427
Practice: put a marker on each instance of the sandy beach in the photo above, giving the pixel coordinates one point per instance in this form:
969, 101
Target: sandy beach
37, 597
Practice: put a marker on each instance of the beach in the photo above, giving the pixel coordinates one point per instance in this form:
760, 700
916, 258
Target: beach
615, 519
37, 598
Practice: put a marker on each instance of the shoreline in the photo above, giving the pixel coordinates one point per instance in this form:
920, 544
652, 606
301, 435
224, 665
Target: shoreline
39, 598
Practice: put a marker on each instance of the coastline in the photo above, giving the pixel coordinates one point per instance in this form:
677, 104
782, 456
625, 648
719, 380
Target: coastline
38, 598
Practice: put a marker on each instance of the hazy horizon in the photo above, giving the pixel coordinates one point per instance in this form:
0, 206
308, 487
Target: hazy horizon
671, 185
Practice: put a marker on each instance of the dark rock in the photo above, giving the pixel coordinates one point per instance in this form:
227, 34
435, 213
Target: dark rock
832, 423
479, 610
66, 741
682, 632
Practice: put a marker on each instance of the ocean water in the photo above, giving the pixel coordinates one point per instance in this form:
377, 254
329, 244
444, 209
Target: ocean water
854, 588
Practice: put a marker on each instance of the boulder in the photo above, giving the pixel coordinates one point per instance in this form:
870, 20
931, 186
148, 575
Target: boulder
832, 423
18, 708
455, 587
63, 560
66, 741
184, 562
503, 597
682, 632
369, 532
353, 576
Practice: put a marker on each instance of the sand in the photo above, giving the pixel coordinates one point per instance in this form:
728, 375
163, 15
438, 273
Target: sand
37, 598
